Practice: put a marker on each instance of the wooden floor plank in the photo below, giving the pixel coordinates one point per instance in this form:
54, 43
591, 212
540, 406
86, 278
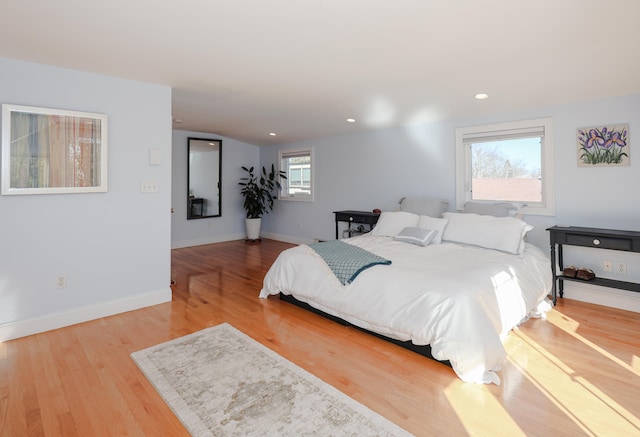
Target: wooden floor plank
575, 373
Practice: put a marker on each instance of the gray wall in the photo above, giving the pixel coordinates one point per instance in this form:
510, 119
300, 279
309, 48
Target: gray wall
230, 226
366, 171
114, 247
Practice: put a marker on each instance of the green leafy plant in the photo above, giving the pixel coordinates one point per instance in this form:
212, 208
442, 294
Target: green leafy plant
259, 190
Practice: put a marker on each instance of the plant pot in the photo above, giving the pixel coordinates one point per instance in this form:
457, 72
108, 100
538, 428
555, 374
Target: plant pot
253, 228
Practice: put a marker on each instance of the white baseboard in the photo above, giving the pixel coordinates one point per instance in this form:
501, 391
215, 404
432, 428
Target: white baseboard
287, 238
240, 236
610, 297
207, 240
23, 328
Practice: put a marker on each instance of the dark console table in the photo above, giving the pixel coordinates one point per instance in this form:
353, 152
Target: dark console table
194, 203
356, 217
628, 241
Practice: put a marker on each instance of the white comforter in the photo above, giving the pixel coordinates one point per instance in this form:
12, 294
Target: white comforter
461, 300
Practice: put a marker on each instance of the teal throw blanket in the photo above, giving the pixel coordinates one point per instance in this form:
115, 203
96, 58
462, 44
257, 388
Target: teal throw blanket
346, 260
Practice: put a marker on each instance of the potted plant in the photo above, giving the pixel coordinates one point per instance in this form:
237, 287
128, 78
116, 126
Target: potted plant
258, 192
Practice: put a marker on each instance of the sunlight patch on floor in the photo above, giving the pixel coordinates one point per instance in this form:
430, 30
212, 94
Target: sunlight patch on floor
474, 404
570, 327
592, 410
562, 321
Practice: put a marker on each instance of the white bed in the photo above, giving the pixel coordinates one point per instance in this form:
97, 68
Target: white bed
460, 299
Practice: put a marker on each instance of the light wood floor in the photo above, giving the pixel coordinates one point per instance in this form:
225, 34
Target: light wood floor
576, 373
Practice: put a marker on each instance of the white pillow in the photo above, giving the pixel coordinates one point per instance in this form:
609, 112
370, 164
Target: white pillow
421, 206
417, 236
500, 233
391, 223
437, 224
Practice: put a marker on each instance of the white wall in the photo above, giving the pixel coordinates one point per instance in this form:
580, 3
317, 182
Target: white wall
114, 247
375, 169
230, 225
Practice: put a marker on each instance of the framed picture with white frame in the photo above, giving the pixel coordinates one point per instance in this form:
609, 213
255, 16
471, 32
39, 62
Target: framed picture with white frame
48, 151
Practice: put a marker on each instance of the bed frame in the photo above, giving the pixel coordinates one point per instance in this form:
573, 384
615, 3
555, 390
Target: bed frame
422, 350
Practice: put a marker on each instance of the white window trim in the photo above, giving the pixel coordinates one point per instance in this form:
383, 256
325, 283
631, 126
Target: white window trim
298, 198
463, 163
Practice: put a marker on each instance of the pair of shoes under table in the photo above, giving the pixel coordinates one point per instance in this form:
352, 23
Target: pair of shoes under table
580, 273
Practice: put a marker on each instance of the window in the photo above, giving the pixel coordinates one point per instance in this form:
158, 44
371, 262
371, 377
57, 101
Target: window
298, 166
507, 162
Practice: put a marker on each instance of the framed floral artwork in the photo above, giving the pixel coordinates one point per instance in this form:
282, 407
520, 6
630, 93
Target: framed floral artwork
603, 146
47, 151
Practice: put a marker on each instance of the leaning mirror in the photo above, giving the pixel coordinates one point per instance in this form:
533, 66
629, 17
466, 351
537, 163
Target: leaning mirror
204, 171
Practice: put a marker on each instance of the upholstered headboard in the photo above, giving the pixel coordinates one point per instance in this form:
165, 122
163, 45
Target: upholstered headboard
424, 206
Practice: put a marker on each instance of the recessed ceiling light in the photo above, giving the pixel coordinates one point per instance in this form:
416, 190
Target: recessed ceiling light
482, 96
351, 120
178, 120
273, 134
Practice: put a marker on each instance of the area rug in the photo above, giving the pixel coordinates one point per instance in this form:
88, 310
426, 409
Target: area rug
221, 382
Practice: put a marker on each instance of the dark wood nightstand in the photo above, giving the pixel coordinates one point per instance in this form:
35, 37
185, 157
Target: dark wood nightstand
365, 219
611, 239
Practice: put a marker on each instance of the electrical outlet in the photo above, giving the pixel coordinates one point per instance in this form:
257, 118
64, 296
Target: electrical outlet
607, 266
61, 282
621, 268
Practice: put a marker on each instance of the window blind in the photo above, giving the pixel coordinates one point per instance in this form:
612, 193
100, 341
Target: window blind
502, 135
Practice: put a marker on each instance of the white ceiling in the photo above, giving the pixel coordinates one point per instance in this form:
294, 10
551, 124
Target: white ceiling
244, 68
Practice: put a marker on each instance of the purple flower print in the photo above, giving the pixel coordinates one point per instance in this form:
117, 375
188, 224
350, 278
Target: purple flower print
594, 138
615, 139
603, 146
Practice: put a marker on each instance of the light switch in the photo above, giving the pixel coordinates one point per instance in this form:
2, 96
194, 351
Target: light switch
148, 187
155, 157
